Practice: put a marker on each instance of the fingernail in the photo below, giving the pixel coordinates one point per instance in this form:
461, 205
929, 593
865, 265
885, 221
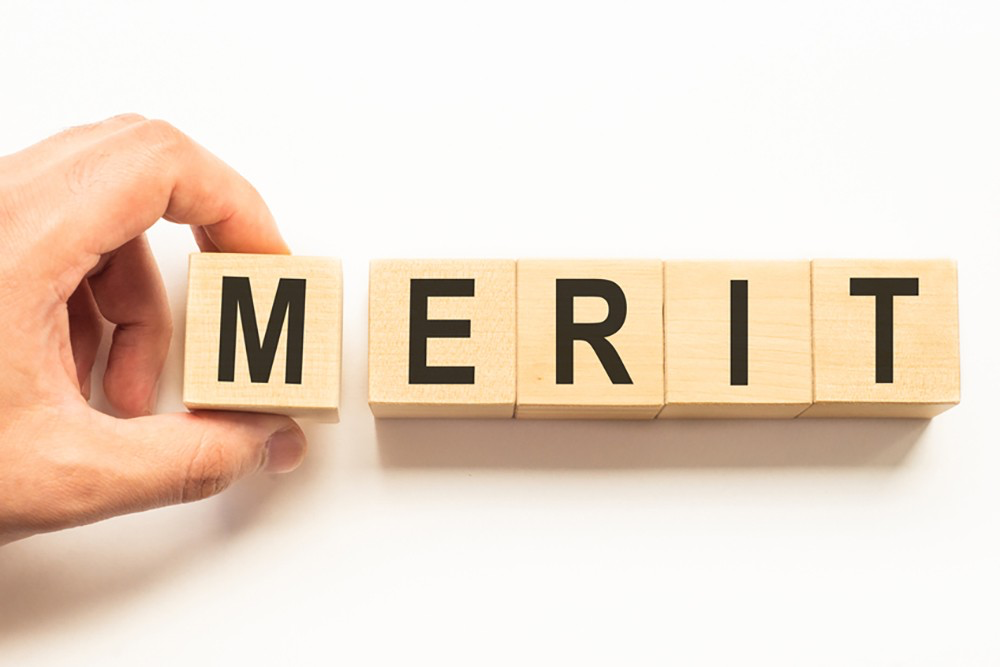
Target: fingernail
285, 450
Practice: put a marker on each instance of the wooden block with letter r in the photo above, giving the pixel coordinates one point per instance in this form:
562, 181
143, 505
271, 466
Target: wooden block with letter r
738, 340
589, 339
885, 338
263, 334
441, 338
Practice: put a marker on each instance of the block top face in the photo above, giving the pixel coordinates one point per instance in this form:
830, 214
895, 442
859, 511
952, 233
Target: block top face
587, 387
919, 307
294, 334
772, 364
463, 362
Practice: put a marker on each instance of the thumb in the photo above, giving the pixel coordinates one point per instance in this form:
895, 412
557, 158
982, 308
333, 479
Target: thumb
190, 456
116, 466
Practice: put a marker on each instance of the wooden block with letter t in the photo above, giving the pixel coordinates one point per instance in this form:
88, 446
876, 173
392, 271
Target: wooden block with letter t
263, 334
885, 338
738, 341
589, 339
441, 338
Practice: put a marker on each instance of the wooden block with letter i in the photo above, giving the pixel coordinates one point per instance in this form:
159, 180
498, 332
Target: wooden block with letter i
589, 339
263, 334
885, 338
441, 338
738, 342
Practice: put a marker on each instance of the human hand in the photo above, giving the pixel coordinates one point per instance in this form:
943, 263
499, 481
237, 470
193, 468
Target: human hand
73, 210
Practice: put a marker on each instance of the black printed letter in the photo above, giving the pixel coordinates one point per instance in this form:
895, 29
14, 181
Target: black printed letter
594, 333
738, 345
289, 298
884, 289
422, 328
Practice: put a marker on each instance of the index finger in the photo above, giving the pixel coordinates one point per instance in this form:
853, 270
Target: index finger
117, 188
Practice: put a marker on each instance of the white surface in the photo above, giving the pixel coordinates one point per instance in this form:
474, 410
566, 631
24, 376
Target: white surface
515, 129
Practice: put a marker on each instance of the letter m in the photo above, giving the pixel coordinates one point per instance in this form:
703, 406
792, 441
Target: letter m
290, 300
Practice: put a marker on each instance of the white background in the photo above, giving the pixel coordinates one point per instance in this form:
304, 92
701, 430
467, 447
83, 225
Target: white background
531, 129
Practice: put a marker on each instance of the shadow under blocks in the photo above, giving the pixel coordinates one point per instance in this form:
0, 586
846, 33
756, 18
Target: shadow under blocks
690, 444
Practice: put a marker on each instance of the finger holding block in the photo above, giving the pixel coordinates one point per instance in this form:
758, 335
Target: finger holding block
441, 338
589, 339
738, 339
264, 334
885, 338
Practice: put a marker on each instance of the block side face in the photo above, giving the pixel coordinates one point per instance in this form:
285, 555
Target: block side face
194, 333
319, 390
590, 412
830, 410
325, 415
732, 411
697, 321
441, 411
490, 348
925, 353
638, 342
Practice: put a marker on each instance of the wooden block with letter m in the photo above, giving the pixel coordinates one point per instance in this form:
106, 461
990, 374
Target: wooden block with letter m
263, 334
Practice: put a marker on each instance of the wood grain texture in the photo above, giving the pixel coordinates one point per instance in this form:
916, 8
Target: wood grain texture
490, 347
925, 378
639, 342
318, 394
697, 340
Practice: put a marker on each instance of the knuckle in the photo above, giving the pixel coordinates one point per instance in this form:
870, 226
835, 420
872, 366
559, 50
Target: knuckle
125, 119
158, 136
75, 131
101, 127
208, 472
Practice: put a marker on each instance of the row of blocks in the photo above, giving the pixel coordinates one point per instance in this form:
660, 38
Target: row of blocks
602, 339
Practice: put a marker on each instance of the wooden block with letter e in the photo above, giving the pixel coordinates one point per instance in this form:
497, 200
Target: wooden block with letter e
738, 341
589, 339
885, 338
441, 338
263, 334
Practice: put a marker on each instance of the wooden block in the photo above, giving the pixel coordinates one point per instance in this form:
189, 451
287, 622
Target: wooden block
885, 338
738, 341
589, 339
263, 334
441, 338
